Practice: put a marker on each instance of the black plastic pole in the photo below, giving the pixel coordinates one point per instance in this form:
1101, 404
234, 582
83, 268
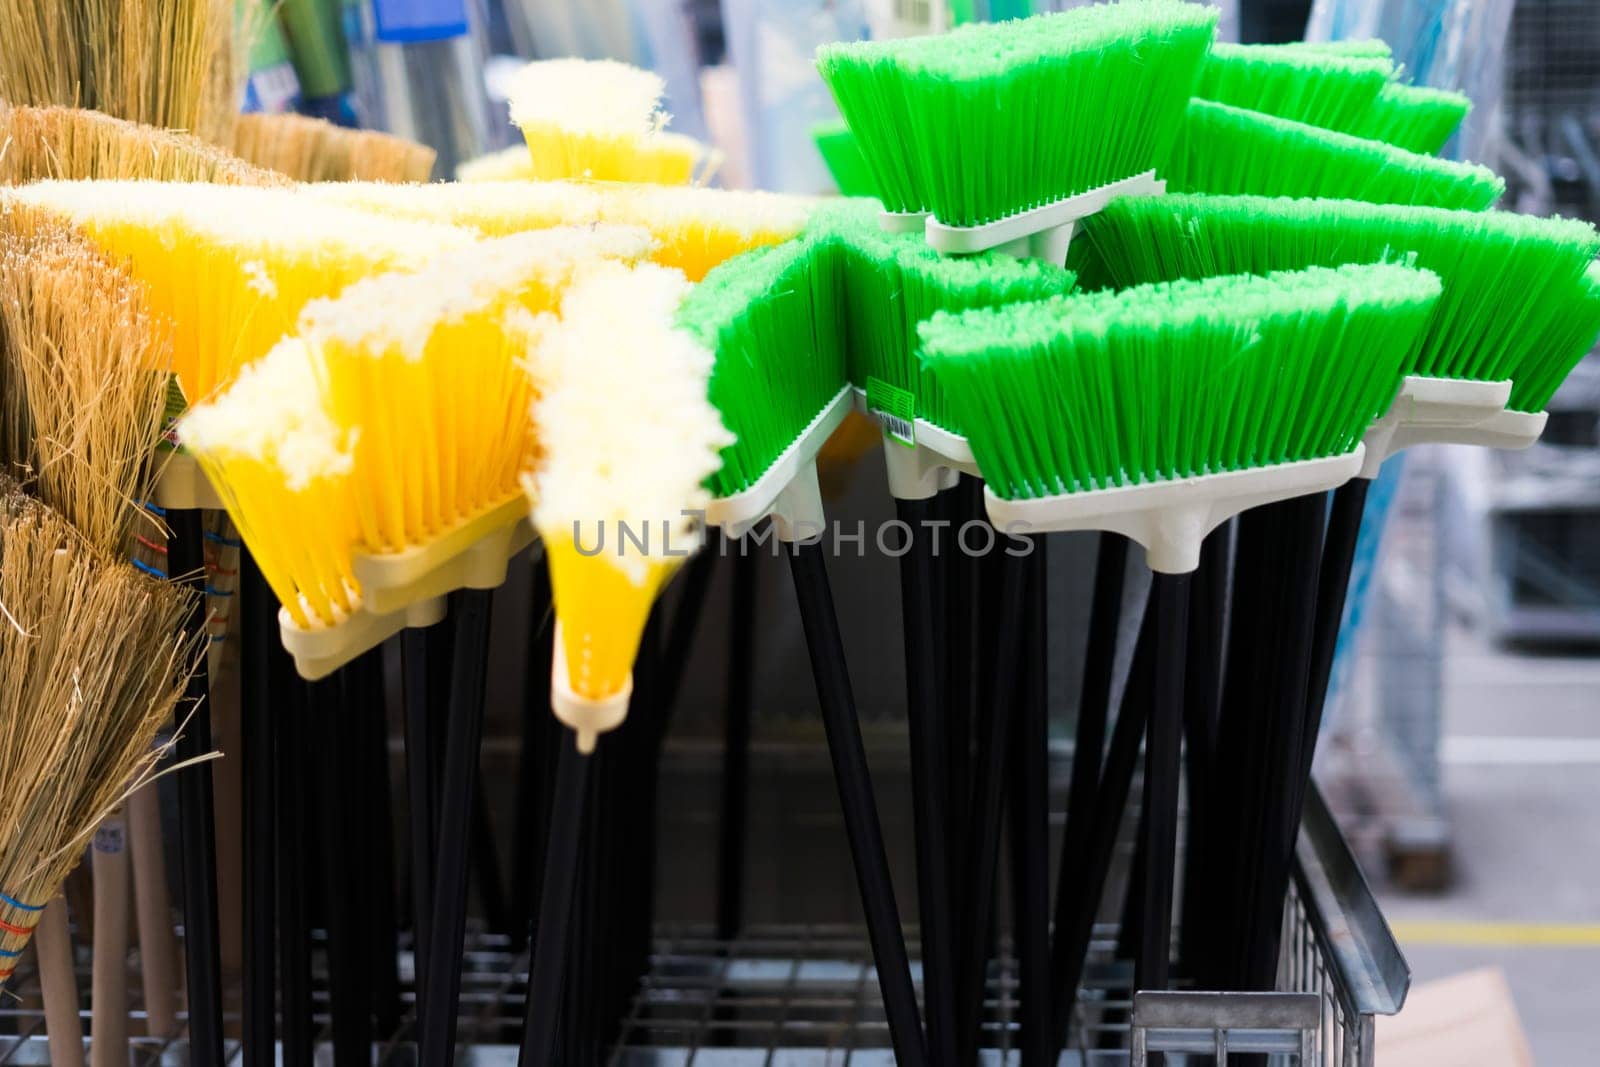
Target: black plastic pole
736, 748
417, 661
383, 926
988, 805
929, 776
196, 811
854, 781
296, 776
535, 762
258, 693
457, 792
1031, 821
548, 967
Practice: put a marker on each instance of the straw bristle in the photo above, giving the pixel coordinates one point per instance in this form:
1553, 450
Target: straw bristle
599, 119
1230, 150
43, 143
1318, 88
314, 150
93, 661
165, 63
230, 268
81, 385
628, 441
1508, 279
1180, 379
990, 120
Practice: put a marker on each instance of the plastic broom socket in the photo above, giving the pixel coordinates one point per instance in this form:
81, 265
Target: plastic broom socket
586, 717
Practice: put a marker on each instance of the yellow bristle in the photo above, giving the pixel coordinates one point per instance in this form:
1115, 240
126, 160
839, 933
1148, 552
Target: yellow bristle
422, 370
601, 120
507, 165
627, 439
283, 471
699, 228
493, 209
695, 229
230, 268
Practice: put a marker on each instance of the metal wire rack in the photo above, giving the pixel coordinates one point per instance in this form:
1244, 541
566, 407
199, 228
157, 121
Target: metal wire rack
806, 995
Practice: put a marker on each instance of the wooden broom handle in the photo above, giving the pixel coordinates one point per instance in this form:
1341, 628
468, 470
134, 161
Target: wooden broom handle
158, 946
53, 944
108, 1002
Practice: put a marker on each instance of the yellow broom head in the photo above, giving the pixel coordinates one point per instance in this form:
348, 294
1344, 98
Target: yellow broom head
695, 229
93, 661
315, 150
627, 439
41, 143
599, 119
507, 165
230, 268
283, 469
493, 209
80, 406
423, 372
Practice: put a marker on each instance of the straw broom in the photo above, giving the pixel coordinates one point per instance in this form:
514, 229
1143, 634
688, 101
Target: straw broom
315, 150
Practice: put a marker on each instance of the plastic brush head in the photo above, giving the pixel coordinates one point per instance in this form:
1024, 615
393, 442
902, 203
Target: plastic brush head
892, 282
1229, 150
1563, 339
774, 327
1366, 49
1319, 88
627, 440
699, 228
493, 209
230, 268
283, 471
843, 157
1509, 280
993, 119
507, 165
422, 372
1180, 379
1414, 117
43, 143
599, 119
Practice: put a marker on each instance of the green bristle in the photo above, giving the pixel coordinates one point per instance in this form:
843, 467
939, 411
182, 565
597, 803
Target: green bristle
1373, 49
1224, 149
1509, 280
896, 281
778, 361
1414, 117
1180, 379
1567, 337
993, 119
1332, 91
843, 156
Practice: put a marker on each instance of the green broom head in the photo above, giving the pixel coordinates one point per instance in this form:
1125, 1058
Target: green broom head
1564, 340
996, 118
1178, 379
1509, 280
843, 157
895, 281
779, 360
1414, 117
1320, 88
1229, 150
1369, 49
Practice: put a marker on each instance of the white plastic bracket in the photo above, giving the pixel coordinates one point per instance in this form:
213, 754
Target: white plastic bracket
1042, 232
902, 221
1431, 410
932, 464
788, 491
472, 555
587, 718
1509, 431
1171, 518
321, 650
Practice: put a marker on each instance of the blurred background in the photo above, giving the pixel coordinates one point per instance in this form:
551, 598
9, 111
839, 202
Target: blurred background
1462, 753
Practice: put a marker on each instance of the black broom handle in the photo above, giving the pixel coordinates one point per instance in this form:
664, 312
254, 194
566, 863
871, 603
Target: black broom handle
196, 811
854, 781
736, 749
988, 804
455, 814
296, 776
1031, 821
258, 692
